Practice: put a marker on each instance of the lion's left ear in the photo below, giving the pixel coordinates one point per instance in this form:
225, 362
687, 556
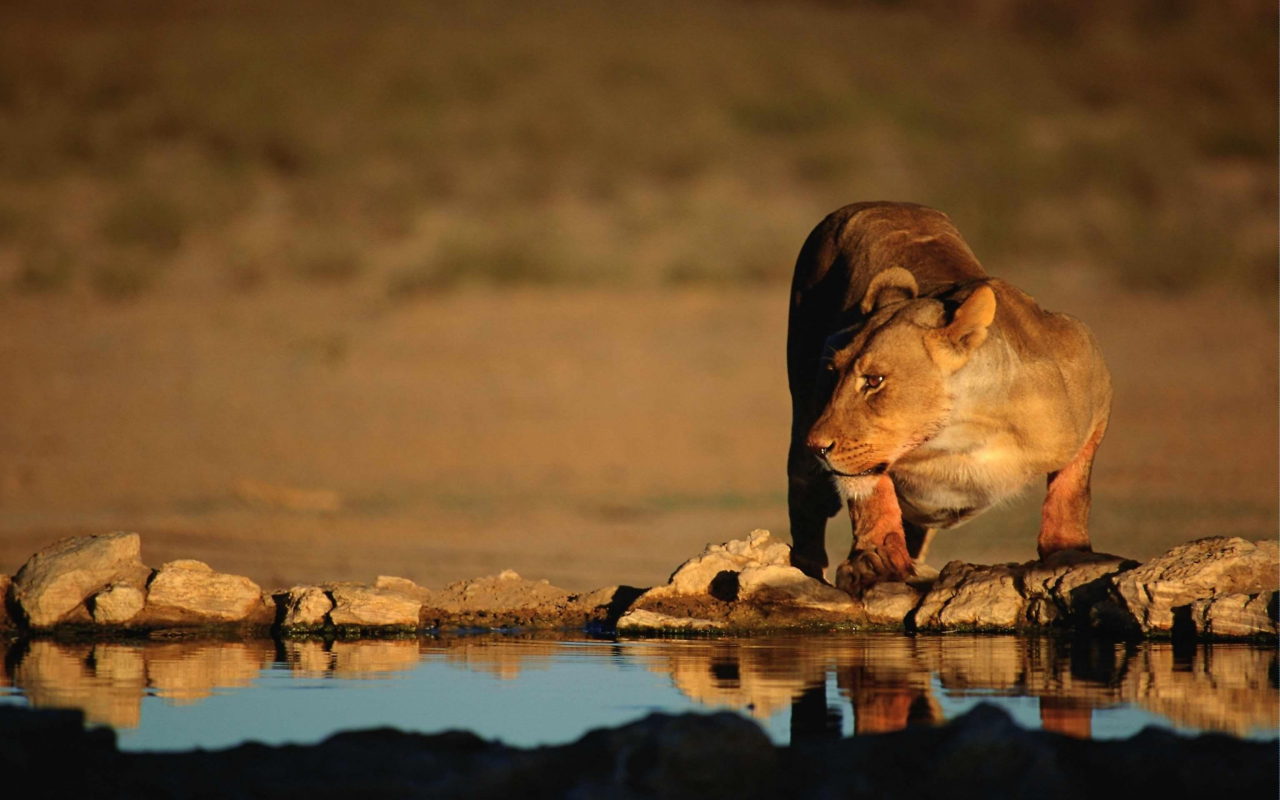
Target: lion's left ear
953, 344
889, 286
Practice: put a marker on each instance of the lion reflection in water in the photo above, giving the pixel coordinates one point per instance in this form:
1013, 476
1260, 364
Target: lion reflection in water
887, 681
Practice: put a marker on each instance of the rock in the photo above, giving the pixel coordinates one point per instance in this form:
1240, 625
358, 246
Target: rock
697, 575
1146, 597
118, 603
366, 605
983, 753
503, 600
889, 603
788, 584
187, 591
1236, 615
642, 620
56, 580
972, 596
690, 756
306, 607
925, 577
405, 587
1068, 583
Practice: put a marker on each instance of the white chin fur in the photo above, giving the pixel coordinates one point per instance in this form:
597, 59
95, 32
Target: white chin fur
855, 488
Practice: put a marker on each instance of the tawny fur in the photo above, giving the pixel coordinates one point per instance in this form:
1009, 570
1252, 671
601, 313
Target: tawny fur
978, 391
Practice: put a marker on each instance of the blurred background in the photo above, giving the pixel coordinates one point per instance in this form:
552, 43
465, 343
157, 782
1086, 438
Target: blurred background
321, 290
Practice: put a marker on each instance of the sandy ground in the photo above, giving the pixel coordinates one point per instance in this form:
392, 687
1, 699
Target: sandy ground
589, 437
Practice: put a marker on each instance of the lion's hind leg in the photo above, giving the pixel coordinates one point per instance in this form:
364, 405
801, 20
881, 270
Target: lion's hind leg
1064, 517
812, 499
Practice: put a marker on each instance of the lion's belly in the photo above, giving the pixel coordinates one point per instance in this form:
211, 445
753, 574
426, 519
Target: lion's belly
943, 490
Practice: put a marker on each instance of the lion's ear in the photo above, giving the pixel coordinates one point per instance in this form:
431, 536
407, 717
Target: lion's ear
889, 286
967, 330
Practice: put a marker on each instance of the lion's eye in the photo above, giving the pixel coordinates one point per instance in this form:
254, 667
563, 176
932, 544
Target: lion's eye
829, 366
874, 381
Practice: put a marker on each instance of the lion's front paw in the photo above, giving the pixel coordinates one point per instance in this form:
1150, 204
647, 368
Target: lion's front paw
868, 566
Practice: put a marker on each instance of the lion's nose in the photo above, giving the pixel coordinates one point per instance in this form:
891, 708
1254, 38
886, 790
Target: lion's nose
820, 447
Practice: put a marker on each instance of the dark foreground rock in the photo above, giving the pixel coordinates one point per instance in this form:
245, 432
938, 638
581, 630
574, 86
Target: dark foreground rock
982, 754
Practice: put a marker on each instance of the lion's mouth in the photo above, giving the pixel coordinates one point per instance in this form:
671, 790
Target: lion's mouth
878, 469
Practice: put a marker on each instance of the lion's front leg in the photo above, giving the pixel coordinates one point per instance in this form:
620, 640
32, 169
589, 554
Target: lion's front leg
879, 552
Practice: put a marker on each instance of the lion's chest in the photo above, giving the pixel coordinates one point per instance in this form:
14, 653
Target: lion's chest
949, 482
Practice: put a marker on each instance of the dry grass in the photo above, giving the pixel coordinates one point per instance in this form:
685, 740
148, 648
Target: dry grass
409, 148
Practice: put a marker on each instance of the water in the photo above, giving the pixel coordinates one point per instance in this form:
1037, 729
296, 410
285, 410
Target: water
525, 691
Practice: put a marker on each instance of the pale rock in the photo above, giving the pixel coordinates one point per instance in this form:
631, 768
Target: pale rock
789, 583
889, 603
366, 605
1235, 615
1068, 583
118, 603
191, 588
972, 596
924, 577
57, 580
641, 620
406, 587
306, 606
696, 575
1146, 596
498, 594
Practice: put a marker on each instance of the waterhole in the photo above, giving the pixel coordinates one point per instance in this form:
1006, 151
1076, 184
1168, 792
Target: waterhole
529, 690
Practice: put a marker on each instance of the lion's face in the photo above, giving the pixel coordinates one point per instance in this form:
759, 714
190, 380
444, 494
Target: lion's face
888, 382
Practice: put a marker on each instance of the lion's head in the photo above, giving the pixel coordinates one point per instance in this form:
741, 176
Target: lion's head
889, 381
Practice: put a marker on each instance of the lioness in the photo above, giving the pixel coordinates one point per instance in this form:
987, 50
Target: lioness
924, 392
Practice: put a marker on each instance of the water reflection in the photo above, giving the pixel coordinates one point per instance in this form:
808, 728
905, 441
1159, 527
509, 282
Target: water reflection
884, 682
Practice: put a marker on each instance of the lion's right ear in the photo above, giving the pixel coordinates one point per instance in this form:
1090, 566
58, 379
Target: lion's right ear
889, 286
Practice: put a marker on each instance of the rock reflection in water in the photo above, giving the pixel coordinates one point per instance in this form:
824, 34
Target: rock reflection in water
881, 682
108, 680
311, 658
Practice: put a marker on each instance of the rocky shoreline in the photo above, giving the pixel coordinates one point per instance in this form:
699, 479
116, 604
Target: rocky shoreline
1215, 588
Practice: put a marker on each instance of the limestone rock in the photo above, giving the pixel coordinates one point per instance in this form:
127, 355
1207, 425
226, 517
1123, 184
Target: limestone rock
642, 620
1145, 597
1236, 615
405, 587
889, 603
696, 575
366, 605
306, 606
56, 580
190, 591
118, 603
972, 596
1068, 583
504, 592
925, 577
789, 584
